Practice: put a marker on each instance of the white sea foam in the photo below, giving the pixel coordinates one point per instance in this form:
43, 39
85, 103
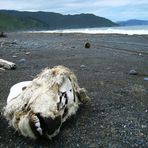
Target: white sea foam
130, 30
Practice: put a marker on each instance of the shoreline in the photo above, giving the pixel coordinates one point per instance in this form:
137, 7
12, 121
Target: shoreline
120, 30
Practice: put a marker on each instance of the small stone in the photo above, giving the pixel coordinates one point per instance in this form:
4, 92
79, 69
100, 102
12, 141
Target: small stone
14, 42
101, 83
78, 145
141, 134
14, 56
83, 66
140, 54
146, 79
143, 126
27, 53
133, 72
22, 60
87, 45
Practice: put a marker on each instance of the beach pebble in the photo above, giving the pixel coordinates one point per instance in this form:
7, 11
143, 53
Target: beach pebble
78, 145
27, 53
143, 126
14, 42
146, 79
133, 72
22, 60
83, 66
14, 56
140, 54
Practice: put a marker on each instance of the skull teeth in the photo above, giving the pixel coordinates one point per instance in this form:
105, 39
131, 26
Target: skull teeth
40, 130
37, 124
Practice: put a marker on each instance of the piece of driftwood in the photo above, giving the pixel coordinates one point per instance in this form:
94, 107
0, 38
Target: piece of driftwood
7, 64
2, 35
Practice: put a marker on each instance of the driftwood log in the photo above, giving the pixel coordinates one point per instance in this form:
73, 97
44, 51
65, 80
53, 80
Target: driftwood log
7, 64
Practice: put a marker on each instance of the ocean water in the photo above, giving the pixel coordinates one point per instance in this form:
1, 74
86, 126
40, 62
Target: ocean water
130, 30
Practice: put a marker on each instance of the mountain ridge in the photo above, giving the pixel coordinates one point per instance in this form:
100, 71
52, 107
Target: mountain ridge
133, 22
49, 20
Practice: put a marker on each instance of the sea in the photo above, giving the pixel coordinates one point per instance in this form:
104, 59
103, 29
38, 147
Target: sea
130, 30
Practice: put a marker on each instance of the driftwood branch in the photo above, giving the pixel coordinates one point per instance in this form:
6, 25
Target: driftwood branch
7, 64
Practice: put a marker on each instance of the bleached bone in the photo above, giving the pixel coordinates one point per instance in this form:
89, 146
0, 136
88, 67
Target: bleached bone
16, 90
38, 108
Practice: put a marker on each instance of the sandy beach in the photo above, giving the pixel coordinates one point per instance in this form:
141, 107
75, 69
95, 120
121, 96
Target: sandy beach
117, 115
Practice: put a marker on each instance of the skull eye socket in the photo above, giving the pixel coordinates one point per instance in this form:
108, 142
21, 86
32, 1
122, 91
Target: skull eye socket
23, 88
63, 100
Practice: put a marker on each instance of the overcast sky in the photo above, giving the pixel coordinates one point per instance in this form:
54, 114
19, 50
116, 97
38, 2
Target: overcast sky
111, 9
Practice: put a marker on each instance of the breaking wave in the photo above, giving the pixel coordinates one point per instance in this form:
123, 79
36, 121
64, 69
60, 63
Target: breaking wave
130, 30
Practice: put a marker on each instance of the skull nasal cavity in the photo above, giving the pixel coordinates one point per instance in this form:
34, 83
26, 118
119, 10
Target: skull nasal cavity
52, 124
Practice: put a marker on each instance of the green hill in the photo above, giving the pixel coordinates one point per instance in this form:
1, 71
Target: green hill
8, 22
18, 20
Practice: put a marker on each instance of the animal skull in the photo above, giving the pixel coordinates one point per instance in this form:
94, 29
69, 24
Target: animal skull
38, 108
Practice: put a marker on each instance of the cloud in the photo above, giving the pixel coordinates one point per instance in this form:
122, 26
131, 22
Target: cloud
112, 9
119, 3
65, 4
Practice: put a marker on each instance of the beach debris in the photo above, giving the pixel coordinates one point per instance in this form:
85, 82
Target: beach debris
133, 72
7, 64
145, 78
87, 45
2, 35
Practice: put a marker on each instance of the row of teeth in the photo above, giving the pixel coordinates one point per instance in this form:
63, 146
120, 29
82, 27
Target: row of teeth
37, 124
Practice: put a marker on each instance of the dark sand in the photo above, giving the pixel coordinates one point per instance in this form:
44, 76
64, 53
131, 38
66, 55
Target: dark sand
117, 115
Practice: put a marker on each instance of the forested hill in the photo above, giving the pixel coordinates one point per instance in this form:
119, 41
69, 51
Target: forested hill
24, 20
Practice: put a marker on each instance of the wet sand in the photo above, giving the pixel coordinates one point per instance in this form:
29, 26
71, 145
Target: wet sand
117, 115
